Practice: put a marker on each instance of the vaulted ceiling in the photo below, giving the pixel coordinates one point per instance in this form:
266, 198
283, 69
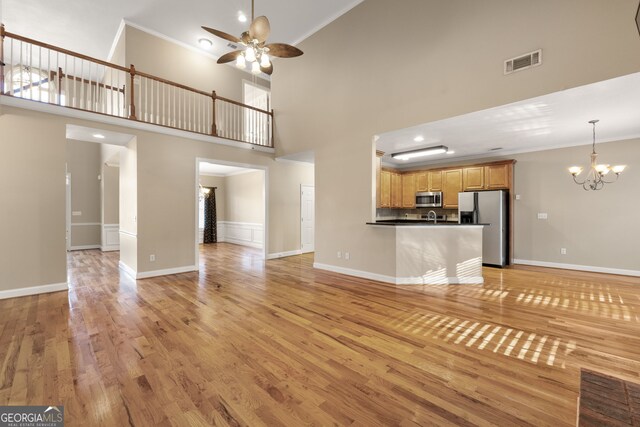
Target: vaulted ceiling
89, 27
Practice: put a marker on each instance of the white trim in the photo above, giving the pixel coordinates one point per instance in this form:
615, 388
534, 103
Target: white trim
110, 248
166, 272
245, 233
43, 107
302, 188
265, 197
284, 254
74, 224
111, 225
128, 233
127, 270
115, 41
578, 267
84, 247
110, 237
399, 280
33, 290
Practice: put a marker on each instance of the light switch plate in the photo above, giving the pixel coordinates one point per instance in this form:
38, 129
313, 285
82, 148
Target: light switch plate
542, 215
76, 213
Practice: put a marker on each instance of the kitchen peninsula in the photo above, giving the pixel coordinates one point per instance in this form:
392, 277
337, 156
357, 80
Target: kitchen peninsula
428, 253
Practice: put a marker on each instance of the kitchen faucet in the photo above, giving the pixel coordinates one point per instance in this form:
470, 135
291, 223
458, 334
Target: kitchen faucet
435, 217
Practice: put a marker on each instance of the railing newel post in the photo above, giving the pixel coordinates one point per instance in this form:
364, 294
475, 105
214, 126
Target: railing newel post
132, 103
214, 128
272, 129
1, 58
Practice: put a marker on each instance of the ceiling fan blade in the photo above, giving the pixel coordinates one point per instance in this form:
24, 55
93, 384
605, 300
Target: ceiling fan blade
222, 35
267, 70
260, 29
228, 57
282, 50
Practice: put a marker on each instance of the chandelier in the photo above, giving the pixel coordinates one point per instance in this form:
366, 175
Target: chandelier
255, 55
595, 178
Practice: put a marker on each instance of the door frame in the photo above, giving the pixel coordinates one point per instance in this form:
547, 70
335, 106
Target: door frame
302, 187
68, 210
265, 197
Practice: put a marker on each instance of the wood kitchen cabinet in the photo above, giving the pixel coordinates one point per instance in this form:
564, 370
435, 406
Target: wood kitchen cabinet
422, 181
435, 181
385, 189
451, 186
498, 177
396, 190
473, 178
409, 190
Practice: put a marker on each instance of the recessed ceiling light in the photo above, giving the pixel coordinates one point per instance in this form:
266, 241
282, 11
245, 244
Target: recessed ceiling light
98, 135
419, 138
242, 17
205, 43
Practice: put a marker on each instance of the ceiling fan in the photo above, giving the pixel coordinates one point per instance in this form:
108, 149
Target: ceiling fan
256, 52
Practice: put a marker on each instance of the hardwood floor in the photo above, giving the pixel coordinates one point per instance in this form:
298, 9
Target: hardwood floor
278, 343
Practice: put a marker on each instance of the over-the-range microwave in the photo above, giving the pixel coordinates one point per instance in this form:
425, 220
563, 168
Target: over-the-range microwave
429, 199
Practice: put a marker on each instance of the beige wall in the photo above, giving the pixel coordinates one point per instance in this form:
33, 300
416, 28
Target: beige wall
244, 200
221, 194
162, 58
361, 82
32, 188
597, 228
110, 194
83, 163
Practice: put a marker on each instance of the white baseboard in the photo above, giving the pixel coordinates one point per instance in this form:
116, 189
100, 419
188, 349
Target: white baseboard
284, 254
400, 280
241, 242
84, 248
578, 267
33, 290
110, 248
156, 273
166, 272
127, 270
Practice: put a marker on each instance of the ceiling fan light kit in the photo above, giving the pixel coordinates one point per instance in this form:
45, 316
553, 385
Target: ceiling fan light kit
595, 179
256, 52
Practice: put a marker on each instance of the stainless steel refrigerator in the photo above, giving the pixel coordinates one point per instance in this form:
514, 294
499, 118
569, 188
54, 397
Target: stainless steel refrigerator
491, 208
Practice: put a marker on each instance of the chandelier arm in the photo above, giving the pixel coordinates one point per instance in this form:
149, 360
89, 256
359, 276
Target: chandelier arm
612, 181
578, 182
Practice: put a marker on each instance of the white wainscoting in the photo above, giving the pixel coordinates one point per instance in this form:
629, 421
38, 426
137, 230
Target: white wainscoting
240, 233
110, 237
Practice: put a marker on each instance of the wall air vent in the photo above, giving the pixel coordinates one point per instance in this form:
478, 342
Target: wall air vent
532, 59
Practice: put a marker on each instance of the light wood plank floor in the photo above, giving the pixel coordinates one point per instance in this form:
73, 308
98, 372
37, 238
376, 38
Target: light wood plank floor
278, 343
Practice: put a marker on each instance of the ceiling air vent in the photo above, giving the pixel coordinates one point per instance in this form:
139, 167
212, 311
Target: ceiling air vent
532, 59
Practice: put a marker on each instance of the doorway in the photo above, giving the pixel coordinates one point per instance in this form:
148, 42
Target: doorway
307, 218
67, 235
256, 129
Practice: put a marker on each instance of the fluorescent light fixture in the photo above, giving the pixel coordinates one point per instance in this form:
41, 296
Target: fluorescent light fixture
98, 135
205, 43
242, 17
419, 138
429, 151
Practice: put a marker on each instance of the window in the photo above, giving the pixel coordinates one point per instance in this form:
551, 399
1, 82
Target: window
30, 83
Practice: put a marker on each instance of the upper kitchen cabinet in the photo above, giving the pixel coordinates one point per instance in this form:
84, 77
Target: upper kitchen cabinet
473, 178
422, 181
409, 190
498, 177
452, 185
396, 190
385, 189
435, 181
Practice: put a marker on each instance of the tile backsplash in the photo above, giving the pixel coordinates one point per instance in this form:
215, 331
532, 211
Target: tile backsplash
387, 213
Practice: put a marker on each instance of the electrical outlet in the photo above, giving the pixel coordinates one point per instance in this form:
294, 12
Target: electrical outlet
563, 251
542, 215
346, 255
339, 254
517, 197
152, 258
